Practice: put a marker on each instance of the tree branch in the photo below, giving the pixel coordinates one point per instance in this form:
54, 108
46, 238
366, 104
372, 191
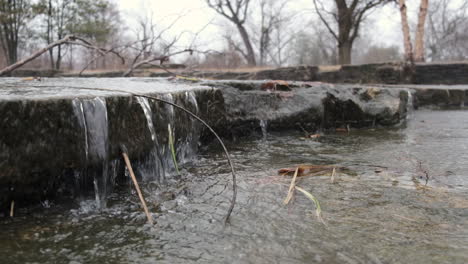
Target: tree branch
319, 13
161, 59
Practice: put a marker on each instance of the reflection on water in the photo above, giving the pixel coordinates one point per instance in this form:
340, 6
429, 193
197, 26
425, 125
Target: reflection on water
380, 210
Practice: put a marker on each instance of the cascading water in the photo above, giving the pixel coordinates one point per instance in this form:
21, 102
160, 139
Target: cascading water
92, 117
153, 167
166, 117
264, 127
409, 105
187, 147
99, 173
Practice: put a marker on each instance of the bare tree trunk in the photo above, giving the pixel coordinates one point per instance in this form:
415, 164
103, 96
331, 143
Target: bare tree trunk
406, 32
250, 56
59, 57
344, 53
419, 40
49, 33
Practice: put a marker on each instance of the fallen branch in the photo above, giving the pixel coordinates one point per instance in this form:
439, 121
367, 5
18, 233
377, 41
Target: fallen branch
69, 39
97, 57
161, 60
137, 187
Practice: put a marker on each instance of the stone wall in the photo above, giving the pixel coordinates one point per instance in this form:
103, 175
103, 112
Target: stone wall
384, 73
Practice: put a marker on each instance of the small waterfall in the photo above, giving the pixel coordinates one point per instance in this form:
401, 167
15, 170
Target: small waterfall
153, 167
188, 147
143, 101
264, 127
167, 117
409, 105
92, 118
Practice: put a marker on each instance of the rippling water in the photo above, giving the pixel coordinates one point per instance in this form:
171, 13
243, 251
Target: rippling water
403, 198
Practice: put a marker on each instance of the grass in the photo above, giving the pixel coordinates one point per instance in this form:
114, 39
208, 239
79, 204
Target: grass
171, 146
318, 209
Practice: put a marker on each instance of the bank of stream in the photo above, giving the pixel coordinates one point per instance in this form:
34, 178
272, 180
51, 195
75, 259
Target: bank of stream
402, 198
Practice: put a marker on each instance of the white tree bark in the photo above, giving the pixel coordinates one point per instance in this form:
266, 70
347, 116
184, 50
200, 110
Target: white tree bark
419, 40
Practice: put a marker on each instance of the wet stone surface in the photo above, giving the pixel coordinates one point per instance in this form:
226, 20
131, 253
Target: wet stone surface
379, 210
62, 136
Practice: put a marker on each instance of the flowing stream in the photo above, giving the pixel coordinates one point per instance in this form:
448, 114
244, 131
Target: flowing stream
401, 196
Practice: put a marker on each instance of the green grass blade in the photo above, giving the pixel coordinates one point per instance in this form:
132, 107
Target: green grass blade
171, 146
318, 209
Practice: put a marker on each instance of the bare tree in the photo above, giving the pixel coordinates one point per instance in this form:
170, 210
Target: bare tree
13, 17
418, 54
406, 32
316, 47
276, 33
344, 21
266, 26
236, 12
419, 39
446, 36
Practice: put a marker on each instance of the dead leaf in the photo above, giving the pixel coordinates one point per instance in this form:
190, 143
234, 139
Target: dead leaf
341, 129
306, 170
276, 85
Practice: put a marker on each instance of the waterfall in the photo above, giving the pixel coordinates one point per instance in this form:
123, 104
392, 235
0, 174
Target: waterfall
153, 167
264, 127
92, 118
98, 173
409, 105
188, 147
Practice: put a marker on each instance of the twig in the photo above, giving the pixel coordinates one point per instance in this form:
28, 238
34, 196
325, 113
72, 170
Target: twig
291, 188
137, 187
161, 59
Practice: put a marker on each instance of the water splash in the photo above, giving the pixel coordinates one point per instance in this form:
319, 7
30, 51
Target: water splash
409, 105
264, 127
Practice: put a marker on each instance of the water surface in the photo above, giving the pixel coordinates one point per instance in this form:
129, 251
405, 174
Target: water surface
401, 199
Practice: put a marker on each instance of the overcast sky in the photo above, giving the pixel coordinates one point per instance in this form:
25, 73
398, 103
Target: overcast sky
383, 25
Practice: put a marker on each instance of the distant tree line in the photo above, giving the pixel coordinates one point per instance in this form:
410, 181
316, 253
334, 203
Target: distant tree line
26, 25
255, 33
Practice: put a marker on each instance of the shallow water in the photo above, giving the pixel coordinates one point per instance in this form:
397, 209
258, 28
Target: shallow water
379, 210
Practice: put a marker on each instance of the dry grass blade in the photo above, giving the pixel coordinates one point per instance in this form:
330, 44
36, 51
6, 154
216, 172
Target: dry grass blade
291, 188
333, 176
12, 208
318, 209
